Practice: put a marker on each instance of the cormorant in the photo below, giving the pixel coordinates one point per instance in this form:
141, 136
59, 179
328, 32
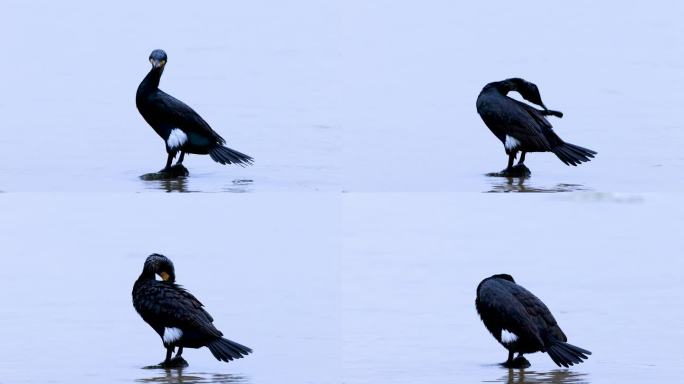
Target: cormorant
182, 129
177, 316
522, 323
523, 128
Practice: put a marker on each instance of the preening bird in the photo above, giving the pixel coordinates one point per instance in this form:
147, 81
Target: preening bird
177, 316
182, 129
523, 128
522, 323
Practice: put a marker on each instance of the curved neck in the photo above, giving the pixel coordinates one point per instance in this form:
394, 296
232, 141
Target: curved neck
146, 275
151, 81
501, 87
506, 86
528, 91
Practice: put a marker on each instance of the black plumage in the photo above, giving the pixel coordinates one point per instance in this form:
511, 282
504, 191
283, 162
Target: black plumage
176, 315
521, 127
522, 323
182, 129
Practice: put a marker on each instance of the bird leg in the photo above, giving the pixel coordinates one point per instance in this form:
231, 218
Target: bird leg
180, 159
169, 160
522, 158
178, 361
519, 362
520, 170
511, 157
172, 172
169, 351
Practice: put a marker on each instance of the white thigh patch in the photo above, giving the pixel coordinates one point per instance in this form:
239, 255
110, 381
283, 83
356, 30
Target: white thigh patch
176, 138
511, 143
508, 337
171, 335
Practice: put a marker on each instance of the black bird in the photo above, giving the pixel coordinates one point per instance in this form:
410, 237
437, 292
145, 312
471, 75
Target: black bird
182, 129
523, 128
177, 316
522, 323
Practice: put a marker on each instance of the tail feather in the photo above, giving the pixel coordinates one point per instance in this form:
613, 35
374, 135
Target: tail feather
565, 355
571, 154
227, 350
225, 155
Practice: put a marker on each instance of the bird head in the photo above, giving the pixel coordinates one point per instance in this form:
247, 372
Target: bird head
158, 58
504, 276
527, 90
161, 265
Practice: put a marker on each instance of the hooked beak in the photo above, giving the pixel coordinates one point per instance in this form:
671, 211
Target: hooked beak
165, 276
157, 63
551, 112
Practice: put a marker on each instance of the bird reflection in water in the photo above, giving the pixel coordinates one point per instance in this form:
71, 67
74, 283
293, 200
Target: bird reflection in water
177, 375
520, 184
178, 184
556, 376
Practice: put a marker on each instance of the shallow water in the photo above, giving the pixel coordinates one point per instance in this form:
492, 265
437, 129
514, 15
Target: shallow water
329, 288
416, 71
605, 265
264, 268
514, 376
372, 99
331, 96
254, 71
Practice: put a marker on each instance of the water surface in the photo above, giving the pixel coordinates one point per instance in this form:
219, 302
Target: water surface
268, 279
605, 264
340, 96
374, 99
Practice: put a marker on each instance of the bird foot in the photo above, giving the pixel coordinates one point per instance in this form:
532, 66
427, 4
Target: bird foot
176, 362
172, 172
177, 170
517, 363
519, 170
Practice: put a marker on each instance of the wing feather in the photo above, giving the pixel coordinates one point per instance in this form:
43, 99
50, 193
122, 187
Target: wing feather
518, 120
175, 113
500, 308
169, 305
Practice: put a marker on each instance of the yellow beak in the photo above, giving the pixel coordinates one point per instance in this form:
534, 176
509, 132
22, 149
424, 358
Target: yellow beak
157, 64
165, 276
